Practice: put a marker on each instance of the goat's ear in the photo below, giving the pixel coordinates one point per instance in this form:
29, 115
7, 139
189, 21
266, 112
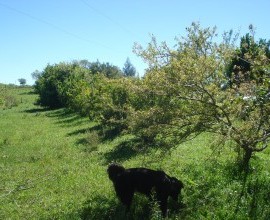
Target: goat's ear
168, 180
161, 173
182, 184
173, 179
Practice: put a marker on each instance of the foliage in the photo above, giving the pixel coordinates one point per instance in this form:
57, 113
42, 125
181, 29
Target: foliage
109, 101
36, 74
75, 90
198, 86
65, 84
186, 86
47, 84
249, 61
105, 69
80, 88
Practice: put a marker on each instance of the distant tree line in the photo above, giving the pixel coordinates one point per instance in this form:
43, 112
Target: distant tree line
51, 83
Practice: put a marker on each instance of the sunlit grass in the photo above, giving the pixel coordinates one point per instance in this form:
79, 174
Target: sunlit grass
53, 166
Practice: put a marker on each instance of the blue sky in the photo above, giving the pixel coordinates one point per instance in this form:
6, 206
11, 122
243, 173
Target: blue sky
35, 33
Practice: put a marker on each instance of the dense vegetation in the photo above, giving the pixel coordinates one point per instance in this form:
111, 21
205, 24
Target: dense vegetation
201, 113
53, 166
200, 86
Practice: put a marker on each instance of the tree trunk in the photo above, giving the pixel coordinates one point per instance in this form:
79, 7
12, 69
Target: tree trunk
247, 156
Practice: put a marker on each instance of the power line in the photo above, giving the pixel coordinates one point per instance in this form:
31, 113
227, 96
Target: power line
54, 26
110, 19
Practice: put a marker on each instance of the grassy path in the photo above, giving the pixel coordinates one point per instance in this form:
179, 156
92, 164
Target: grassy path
45, 171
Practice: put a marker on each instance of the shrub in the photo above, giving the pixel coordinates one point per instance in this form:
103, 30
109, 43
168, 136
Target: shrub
110, 105
48, 83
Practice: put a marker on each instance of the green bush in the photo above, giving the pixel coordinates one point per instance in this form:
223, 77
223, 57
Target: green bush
110, 105
48, 83
75, 91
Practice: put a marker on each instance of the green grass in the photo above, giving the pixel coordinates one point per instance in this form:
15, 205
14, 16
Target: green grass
53, 166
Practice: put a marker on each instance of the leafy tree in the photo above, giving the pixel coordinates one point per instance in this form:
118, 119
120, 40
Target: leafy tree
110, 71
66, 84
185, 94
109, 104
240, 68
22, 81
48, 84
106, 69
129, 70
36, 74
75, 90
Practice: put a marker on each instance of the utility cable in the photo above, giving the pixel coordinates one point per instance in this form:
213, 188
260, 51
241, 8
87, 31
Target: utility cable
54, 26
111, 20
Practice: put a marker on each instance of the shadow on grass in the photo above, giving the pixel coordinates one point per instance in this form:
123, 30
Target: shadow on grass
251, 190
28, 93
36, 110
93, 134
102, 208
71, 119
61, 113
255, 191
66, 117
85, 130
90, 140
95, 131
123, 151
141, 209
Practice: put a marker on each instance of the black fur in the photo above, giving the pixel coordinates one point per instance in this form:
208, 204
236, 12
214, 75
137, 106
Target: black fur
143, 180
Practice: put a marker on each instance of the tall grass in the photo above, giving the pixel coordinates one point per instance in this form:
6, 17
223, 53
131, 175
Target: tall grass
53, 166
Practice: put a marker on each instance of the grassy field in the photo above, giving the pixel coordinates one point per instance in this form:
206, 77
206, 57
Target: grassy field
53, 166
